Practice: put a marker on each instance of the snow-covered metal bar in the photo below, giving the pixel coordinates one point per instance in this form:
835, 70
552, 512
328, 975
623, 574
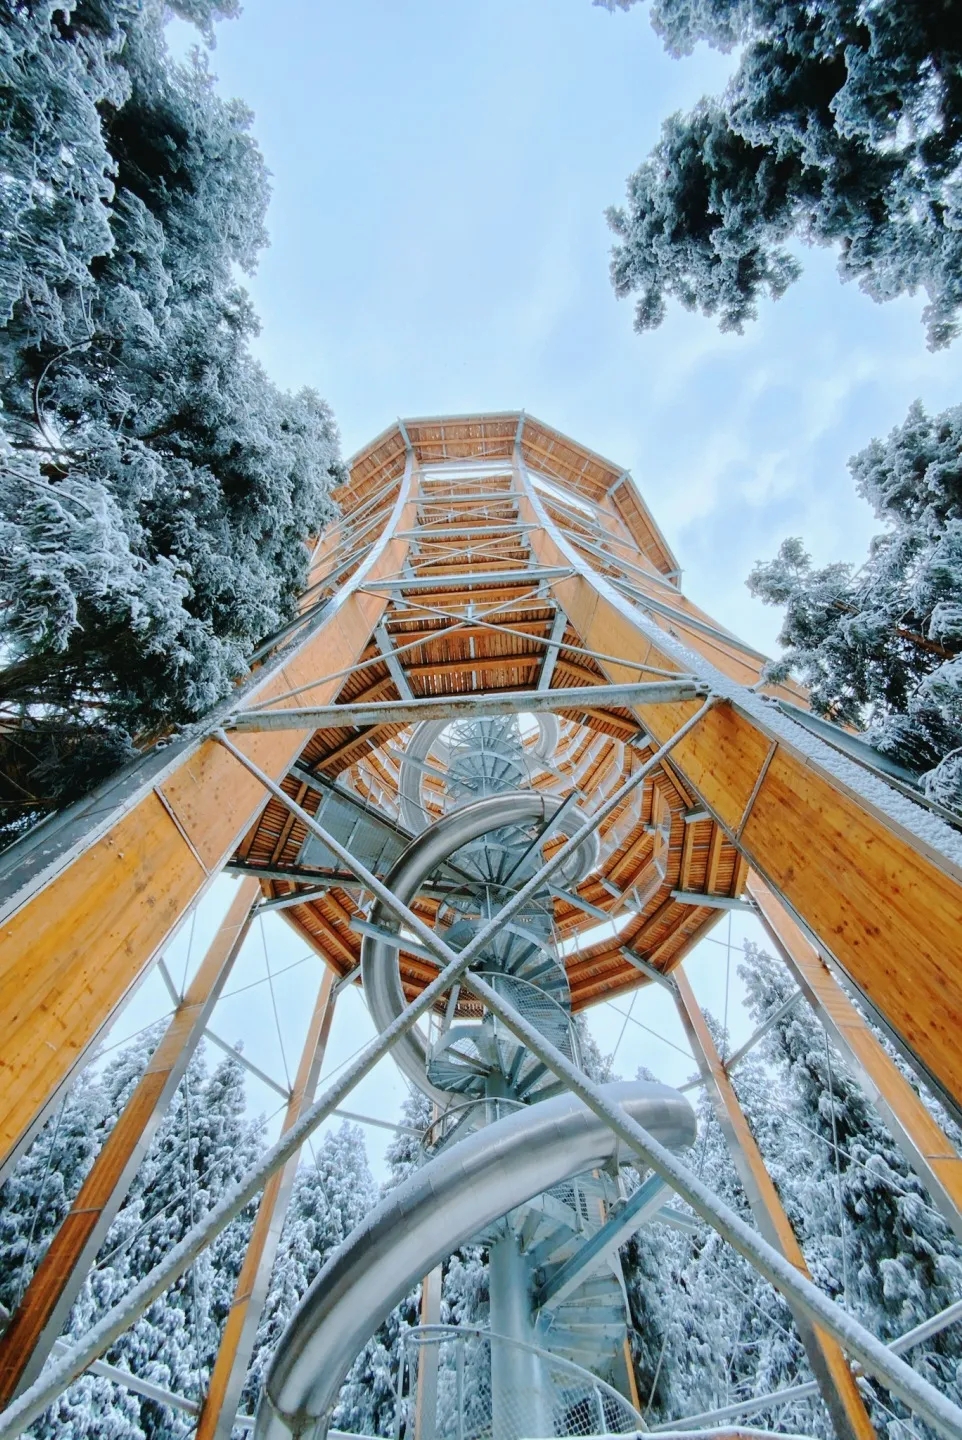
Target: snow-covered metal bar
472, 707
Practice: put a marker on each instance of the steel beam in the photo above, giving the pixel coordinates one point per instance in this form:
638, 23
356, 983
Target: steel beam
666, 981
645, 1202
395, 668
240, 1329
473, 707
921, 1139
835, 1380
247, 1064
46, 1304
711, 902
467, 579
759, 1034
558, 627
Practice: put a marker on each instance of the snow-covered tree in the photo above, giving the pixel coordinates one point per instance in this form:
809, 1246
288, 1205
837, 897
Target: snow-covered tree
38, 1194
333, 1191
880, 645
841, 126
872, 1238
156, 490
203, 1144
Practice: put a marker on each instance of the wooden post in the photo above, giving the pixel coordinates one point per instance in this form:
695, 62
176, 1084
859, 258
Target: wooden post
856, 868
920, 1138
42, 1313
240, 1331
829, 1366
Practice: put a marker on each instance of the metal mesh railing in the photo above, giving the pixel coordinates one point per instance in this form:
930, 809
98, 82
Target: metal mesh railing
463, 1383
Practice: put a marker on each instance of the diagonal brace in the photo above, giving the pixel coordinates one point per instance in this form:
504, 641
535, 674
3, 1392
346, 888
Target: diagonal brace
619, 1227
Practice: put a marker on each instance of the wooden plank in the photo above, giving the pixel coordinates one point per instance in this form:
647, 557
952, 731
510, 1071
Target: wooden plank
240, 1330
921, 1139
835, 1380
43, 1311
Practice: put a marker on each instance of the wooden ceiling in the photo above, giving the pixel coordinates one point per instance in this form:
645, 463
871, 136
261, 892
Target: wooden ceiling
457, 636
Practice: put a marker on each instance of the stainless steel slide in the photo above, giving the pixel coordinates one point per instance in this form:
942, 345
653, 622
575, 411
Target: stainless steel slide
441, 1206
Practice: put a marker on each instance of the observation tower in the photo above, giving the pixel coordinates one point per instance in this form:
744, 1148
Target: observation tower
496, 770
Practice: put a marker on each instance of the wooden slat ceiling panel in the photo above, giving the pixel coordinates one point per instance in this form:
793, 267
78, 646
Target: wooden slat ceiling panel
656, 850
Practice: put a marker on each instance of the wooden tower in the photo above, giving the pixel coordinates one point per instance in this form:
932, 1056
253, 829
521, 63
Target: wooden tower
481, 565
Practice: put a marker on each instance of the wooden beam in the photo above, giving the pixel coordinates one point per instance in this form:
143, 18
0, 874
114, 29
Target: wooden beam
42, 1313
829, 1366
83, 915
240, 1330
866, 876
921, 1139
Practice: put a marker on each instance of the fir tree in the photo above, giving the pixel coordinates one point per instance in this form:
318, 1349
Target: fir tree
841, 126
203, 1144
880, 645
331, 1195
156, 490
872, 1238
38, 1194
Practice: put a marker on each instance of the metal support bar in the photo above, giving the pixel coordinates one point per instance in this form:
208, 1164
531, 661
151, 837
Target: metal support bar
592, 1254
668, 1215
665, 981
287, 902
240, 1329
473, 707
395, 668
468, 578
47, 1301
712, 902
248, 1065
558, 627
921, 1139
391, 937
571, 897
777, 1014
835, 1380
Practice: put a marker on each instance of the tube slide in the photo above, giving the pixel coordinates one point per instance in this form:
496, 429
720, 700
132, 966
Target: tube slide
441, 1206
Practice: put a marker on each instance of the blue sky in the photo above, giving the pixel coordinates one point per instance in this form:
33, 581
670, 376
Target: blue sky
438, 245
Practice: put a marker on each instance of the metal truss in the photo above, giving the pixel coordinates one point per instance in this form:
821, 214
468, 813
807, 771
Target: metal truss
876, 1358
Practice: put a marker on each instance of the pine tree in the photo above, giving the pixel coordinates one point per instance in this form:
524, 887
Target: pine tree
872, 1238
881, 645
331, 1195
156, 490
38, 1194
841, 126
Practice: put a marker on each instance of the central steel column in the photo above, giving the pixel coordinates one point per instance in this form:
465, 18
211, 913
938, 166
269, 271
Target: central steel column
518, 1400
